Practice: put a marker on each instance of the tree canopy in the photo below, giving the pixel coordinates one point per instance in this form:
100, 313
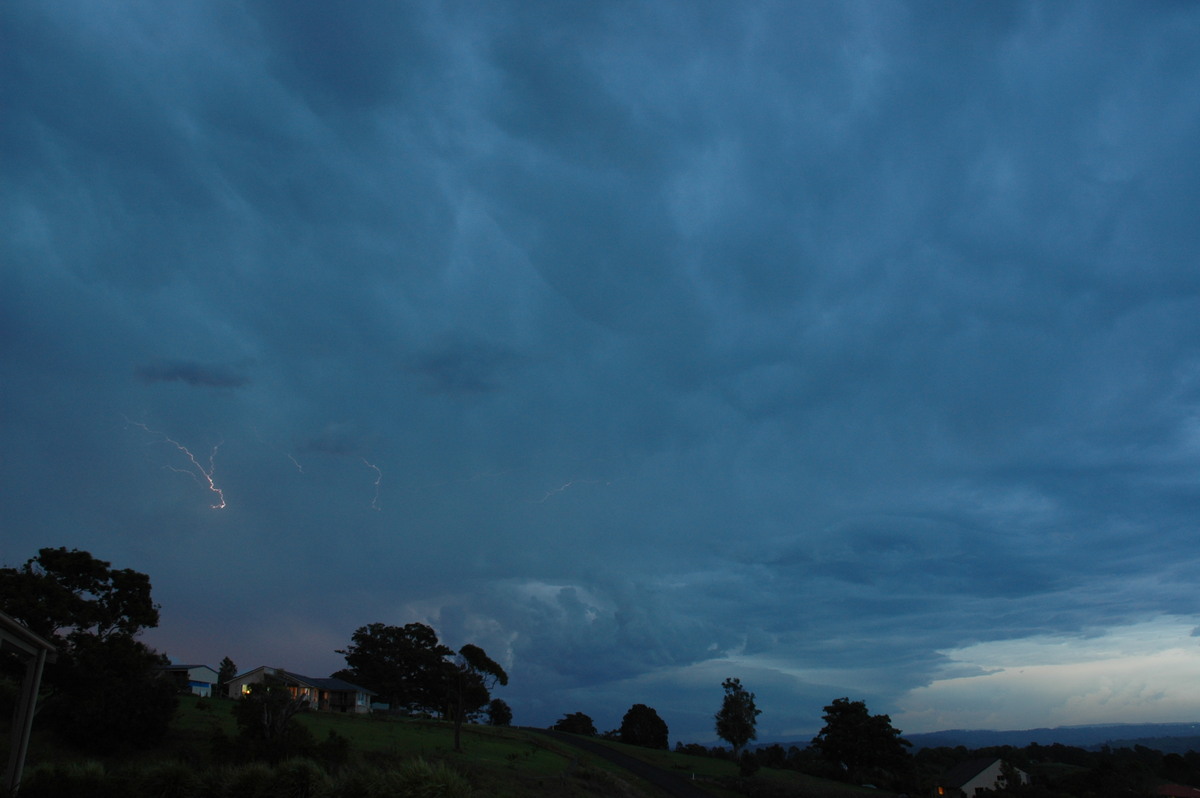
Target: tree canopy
225, 673
859, 741
405, 665
470, 679
499, 713
575, 723
642, 726
63, 592
106, 690
738, 716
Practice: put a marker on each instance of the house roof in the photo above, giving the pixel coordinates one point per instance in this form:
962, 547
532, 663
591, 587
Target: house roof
321, 683
330, 683
963, 772
187, 667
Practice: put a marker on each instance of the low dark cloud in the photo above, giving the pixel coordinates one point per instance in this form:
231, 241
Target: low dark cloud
196, 374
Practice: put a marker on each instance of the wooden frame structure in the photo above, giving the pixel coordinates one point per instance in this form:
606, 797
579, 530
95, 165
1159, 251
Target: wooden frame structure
36, 652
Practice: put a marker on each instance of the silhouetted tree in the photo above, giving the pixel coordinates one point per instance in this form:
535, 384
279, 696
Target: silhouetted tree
499, 713
266, 723
859, 741
575, 723
642, 726
405, 665
64, 593
106, 687
738, 716
225, 673
470, 678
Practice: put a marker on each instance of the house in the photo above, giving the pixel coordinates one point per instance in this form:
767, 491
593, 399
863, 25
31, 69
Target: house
976, 775
324, 694
195, 679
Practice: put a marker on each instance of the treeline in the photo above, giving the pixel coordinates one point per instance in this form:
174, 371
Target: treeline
105, 691
1064, 771
1055, 771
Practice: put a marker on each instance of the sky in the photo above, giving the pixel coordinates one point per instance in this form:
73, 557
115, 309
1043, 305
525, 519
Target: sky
847, 348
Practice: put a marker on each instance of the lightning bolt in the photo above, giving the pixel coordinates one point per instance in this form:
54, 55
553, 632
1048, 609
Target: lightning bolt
270, 445
197, 471
566, 485
378, 479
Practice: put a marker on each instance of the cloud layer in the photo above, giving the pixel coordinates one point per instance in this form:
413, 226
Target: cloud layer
644, 346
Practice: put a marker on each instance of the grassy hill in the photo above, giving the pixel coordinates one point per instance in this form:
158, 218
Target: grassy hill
501, 762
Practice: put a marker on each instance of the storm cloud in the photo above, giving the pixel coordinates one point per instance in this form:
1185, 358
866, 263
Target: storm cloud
850, 349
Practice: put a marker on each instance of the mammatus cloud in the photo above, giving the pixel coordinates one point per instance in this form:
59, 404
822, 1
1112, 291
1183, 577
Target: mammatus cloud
819, 345
209, 375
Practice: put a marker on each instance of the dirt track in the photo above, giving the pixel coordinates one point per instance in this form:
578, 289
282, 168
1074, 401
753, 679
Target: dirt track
665, 780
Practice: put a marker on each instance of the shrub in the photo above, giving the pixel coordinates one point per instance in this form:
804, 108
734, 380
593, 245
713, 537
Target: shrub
333, 752
168, 780
250, 781
86, 779
300, 778
417, 778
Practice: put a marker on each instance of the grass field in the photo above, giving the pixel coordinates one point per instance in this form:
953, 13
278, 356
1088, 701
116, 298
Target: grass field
501, 762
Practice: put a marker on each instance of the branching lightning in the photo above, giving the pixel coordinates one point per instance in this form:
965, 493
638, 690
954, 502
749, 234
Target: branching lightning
378, 479
197, 471
566, 485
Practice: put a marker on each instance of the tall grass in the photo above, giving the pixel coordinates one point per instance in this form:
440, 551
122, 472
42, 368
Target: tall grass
294, 778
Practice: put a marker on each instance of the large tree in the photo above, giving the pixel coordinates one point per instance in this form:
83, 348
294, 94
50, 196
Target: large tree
738, 716
858, 741
66, 592
405, 665
642, 726
106, 689
470, 678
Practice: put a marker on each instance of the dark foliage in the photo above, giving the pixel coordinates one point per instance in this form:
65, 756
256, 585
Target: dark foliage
469, 680
405, 665
575, 723
642, 726
106, 691
109, 694
499, 713
738, 716
865, 745
64, 592
225, 673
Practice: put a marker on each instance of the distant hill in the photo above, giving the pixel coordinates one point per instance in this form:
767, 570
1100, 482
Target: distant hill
1165, 737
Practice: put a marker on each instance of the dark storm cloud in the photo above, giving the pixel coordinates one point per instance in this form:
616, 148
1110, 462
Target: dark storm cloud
463, 367
201, 374
643, 345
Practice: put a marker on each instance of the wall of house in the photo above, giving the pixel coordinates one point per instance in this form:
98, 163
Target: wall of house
985, 780
989, 778
237, 686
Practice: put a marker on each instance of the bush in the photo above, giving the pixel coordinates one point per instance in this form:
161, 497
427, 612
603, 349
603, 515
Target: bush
333, 752
417, 778
111, 696
300, 778
168, 780
87, 779
251, 781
